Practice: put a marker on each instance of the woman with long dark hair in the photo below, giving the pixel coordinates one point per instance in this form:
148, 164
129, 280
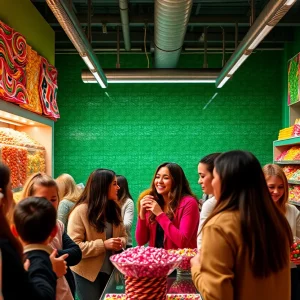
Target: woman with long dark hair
17, 283
169, 214
246, 240
95, 224
127, 207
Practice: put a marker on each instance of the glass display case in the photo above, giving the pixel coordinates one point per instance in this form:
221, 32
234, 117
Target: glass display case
179, 286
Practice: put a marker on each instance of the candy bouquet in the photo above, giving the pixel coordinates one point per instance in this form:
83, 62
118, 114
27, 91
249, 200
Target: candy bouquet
146, 270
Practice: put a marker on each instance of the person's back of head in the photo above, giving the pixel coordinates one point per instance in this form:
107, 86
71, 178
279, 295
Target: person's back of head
67, 188
123, 192
35, 220
264, 228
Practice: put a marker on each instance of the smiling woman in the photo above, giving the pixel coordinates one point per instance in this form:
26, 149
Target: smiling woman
168, 214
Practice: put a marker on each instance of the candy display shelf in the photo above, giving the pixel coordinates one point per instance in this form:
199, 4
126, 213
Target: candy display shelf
293, 181
294, 202
287, 162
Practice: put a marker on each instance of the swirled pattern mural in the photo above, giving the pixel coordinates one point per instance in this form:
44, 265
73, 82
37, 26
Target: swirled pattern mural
13, 59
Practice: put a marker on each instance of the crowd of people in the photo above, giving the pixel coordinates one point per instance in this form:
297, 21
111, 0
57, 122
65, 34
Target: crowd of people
60, 239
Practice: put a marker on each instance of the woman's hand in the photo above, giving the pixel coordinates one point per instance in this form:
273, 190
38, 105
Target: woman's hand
114, 244
144, 203
196, 260
59, 264
153, 206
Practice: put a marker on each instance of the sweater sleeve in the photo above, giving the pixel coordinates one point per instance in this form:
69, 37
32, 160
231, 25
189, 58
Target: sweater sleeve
42, 278
142, 233
63, 212
76, 231
214, 279
188, 223
206, 210
128, 214
71, 248
297, 223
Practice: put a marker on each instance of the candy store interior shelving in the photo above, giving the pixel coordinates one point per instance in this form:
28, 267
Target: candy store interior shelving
38, 128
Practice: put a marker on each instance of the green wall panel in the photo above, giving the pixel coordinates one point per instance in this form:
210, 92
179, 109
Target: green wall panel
133, 128
25, 18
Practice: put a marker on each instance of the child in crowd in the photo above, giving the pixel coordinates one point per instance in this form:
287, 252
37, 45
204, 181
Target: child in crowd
35, 224
17, 283
42, 185
279, 190
169, 214
205, 171
68, 193
127, 206
95, 224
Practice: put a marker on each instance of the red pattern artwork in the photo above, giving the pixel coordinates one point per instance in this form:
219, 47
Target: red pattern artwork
13, 59
48, 89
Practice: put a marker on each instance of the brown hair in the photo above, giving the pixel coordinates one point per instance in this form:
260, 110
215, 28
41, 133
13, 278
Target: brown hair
67, 188
35, 180
263, 226
95, 195
5, 231
180, 188
123, 192
274, 170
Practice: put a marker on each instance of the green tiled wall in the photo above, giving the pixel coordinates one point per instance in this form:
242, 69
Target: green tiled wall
133, 128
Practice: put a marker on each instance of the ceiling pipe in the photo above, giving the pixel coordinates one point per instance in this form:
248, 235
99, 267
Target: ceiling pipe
264, 23
125, 23
171, 18
70, 24
155, 75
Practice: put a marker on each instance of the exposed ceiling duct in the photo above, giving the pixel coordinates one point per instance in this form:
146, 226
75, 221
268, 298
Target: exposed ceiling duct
155, 76
266, 21
171, 18
125, 23
70, 24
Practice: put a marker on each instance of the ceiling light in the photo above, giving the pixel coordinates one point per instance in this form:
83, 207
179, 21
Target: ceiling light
265, 22
70, 24
162, 81
225, 79
99, 80
10, 122
237, 64
88, 62
260, 37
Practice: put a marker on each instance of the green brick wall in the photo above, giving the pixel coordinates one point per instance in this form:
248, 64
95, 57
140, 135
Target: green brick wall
133, 128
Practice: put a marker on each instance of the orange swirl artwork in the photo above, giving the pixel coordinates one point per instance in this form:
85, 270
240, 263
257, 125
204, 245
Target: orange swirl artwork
13, 59
48, 89
32, 83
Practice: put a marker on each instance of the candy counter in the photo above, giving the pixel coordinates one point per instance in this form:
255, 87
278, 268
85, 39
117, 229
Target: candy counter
178, 287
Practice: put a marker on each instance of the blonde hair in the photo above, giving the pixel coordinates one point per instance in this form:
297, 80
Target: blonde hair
35, 180
274, 170
67, 188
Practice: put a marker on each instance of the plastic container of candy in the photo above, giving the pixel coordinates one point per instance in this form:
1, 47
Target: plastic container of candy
295, 251
187, 254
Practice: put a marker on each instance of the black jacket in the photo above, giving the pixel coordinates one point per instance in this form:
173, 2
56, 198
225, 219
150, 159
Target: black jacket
39, 283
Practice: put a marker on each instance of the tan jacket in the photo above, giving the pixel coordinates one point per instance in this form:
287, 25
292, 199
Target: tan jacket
225, 272
90, 242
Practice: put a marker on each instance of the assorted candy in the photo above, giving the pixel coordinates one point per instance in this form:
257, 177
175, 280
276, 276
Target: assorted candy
183, 286
146, 262
295, 251
294, 193
186, 255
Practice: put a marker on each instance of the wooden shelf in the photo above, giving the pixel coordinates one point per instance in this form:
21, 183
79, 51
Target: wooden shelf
287, 162
294, 181
290, 141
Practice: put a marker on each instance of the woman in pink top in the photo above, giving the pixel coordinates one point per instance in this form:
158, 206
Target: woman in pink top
169, 214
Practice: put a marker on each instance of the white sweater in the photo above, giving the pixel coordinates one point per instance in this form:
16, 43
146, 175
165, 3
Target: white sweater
207, 207
293, 216
127, 212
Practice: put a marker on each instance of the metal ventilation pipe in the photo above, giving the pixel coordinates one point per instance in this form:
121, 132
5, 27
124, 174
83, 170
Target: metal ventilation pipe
125, 23
170, 20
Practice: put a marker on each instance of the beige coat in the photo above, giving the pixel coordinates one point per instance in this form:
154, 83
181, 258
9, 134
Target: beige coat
90, 242
225, 272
